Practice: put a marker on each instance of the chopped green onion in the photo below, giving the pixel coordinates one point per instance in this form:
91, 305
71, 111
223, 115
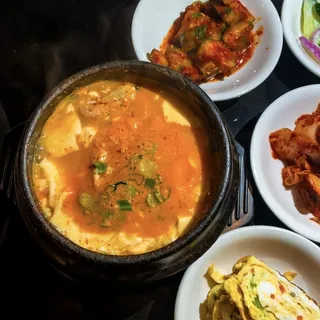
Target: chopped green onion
256, 302
100, 167
292, 294
147, 167
168, 195
124, 205
200, 32
137, 178
151, 201
132, 191
158, 196
86, 202
196, 15
252, 284
150, 183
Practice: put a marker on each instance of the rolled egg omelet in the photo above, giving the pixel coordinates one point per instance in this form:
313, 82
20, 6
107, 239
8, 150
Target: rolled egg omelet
255, 291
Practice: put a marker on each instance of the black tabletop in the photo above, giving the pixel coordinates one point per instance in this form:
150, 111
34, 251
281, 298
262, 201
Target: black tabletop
41, 43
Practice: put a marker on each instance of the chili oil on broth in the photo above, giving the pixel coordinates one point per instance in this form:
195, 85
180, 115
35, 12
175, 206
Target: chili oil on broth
123, 169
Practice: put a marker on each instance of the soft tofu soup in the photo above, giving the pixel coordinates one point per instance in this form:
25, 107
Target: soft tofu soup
122, 169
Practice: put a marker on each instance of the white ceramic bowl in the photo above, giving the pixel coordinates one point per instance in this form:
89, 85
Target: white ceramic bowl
281, 249
153, 18
282, 113
290, 16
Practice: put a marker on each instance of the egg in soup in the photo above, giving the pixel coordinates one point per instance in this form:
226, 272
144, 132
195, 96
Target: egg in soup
123, 169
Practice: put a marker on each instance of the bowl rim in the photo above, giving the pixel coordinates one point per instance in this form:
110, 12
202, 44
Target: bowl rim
230, 94
281, 215
292, 43
263, 231
102, 258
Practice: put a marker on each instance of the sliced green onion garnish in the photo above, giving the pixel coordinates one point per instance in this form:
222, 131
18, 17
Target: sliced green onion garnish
153, 198
137, 178
132, 191
196, 15
151, 201
100, 167
124, 205
167, 195
158, 196
150, 183
86, 202
200, 32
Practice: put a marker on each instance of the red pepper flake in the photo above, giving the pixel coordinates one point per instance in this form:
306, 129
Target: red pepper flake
252, 270
299, 317
282, 289
272, 296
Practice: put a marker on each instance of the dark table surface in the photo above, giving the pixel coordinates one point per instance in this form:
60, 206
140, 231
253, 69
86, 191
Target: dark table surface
41, 43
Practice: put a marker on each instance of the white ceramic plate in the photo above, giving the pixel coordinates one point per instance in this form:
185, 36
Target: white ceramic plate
267, 171
290, 16
153, 19
281, 249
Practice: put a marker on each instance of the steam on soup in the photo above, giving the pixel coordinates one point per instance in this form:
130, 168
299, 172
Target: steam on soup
122, 169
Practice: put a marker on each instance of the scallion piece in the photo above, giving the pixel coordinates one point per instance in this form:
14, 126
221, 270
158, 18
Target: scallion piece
100, 167
158, 196
137, 178
150, 183
86, 202
124, 205
151, 201
132, 191
167, 195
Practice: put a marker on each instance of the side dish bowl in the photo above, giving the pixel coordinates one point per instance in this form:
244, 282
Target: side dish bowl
291, 22
267, 171
153, 19
79, 263
281, 249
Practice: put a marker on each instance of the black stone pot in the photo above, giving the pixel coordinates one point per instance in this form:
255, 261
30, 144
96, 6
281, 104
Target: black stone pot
81, 264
